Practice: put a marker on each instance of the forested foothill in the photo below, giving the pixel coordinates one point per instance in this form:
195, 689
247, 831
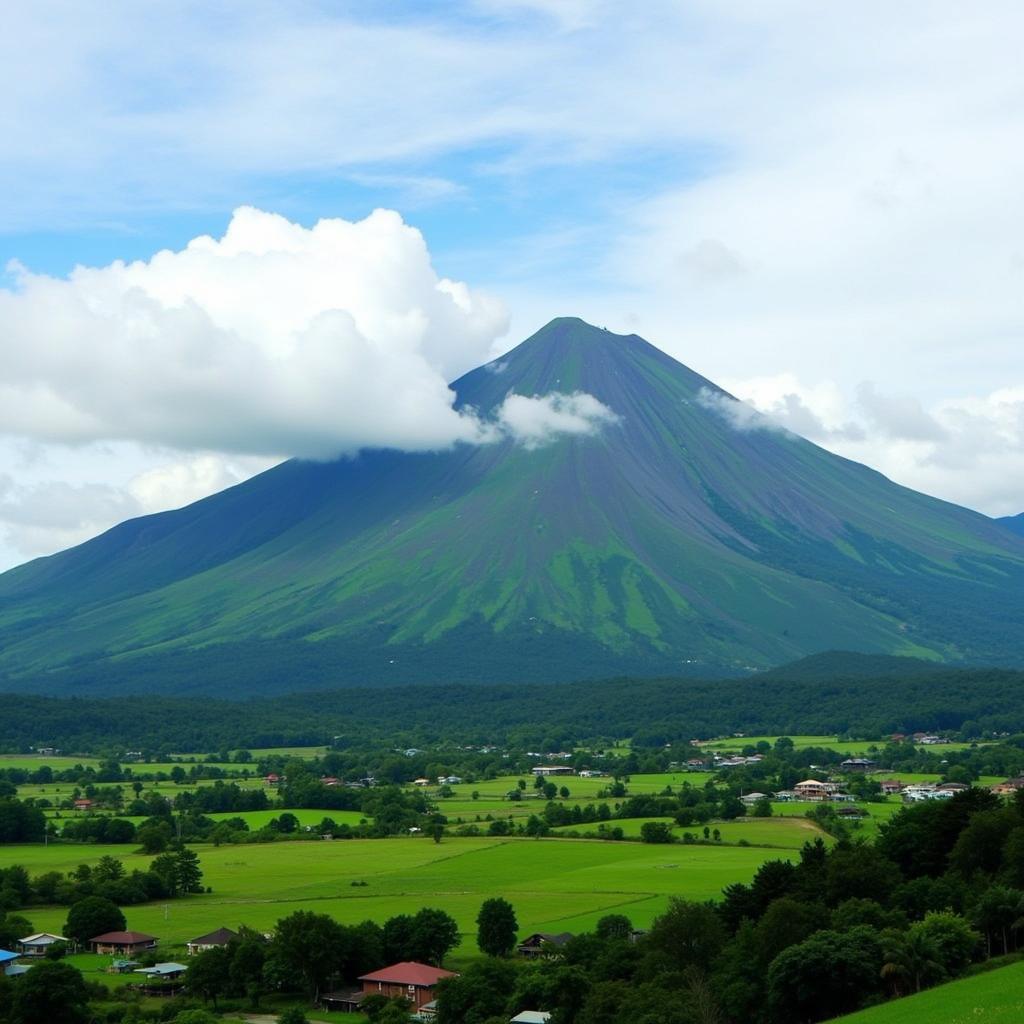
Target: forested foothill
836, 693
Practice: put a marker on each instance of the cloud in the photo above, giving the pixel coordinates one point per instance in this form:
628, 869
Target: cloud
275, 338
537, 420
738, 415
968, 449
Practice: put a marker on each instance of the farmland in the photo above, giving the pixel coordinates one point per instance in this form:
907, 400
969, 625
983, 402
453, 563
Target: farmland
553, 884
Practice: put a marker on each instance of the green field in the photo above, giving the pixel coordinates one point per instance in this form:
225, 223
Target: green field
784, 833
554, 885
996, 996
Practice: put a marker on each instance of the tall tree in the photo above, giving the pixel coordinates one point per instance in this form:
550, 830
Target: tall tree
496, 927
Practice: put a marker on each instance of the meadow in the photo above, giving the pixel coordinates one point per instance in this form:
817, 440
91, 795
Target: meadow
554, 885
995, 997
782, 833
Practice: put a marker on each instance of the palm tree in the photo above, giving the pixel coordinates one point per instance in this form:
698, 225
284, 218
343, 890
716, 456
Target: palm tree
910, 959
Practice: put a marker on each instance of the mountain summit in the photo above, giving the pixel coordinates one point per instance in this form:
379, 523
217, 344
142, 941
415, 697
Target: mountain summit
683, 534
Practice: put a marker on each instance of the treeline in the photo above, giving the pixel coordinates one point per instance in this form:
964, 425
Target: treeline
828, 700
174, 873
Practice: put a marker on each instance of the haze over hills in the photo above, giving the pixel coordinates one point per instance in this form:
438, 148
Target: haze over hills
686, 537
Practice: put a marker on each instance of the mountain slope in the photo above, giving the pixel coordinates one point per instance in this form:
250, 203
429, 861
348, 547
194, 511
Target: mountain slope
1015, 523
670, 541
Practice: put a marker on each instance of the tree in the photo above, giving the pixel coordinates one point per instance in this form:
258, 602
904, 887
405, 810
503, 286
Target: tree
93, 916
851, 964
614, 926
656, 832
154, 836
482, 991
496, 927
998, 910
209, 973
51, 991
911, 960
688, 933
433, 935
954, 939
293, 1015
308, 947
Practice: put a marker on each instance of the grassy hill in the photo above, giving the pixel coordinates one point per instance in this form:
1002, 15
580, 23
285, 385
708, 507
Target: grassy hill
995, 997
673, 542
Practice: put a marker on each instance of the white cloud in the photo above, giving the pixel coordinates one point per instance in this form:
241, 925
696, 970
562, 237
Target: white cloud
274, 339
968, 449
536, 420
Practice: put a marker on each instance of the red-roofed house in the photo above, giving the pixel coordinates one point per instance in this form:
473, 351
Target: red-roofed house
409, 980
122, 943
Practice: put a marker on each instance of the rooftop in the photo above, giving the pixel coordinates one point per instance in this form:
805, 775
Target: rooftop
409, 973
125, 938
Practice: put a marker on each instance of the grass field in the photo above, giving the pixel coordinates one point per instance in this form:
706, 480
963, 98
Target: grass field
996, 997
782, 833
554, 885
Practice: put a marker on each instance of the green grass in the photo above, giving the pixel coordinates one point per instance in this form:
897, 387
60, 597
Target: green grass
553, 884
784, 833
995, 996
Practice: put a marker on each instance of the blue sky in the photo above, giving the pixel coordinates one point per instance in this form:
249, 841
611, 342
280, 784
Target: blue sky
816, 206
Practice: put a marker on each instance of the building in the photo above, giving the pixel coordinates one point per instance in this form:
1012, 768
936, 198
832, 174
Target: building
553, 769
84, 805
409, 980
7, 959
215, 940
122, 944
1009, 787
531, 1017
542, 944
38, 944
751, 798
891, 786
857, 764
812, 789
273, 780
161, 972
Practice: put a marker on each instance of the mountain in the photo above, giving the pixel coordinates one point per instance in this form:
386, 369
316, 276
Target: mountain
681, 539
1015, 523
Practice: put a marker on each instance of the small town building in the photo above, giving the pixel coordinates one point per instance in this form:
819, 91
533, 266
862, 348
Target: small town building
84, 805
38, 944
891, 786
857, 764
122, 966
123, 944
1009, 787
214, 940
408, 980
752, 798
160, 972
7, 959
531, 1017
812, 789
553, 769
542, 944
272, 779
421, 782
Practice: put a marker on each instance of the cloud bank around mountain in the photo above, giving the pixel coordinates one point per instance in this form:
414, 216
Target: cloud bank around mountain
275, 339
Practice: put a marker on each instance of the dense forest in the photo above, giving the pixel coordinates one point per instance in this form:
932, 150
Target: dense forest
839, 694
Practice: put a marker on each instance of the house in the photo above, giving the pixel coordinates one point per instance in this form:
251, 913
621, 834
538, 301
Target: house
751, 798
953, 787
542, 944
590, 773
38, 944
342, 1002
408, 980
812, 789
161, 972
122, 966
1009, 787
273, 780
48, 751
84, 805
7, 959
214, 940
891, 786
421, 782
330, 780
787, 796
531, 1017
122, 944
556, 769
857, 764
449, 780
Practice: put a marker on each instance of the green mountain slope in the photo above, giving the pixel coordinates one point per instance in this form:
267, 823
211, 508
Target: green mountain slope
671, 541
1015, 523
